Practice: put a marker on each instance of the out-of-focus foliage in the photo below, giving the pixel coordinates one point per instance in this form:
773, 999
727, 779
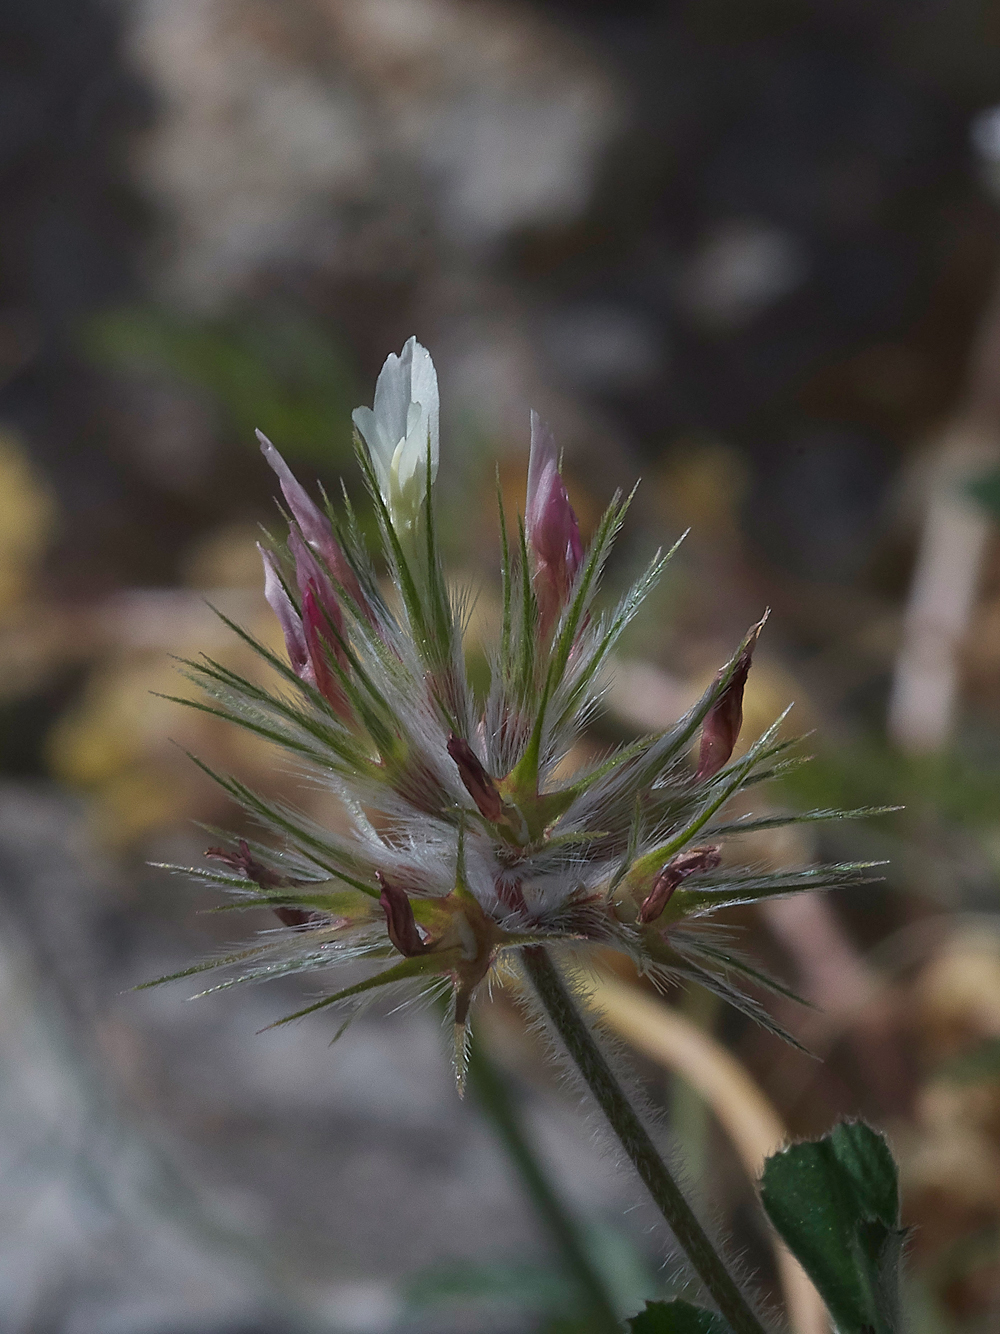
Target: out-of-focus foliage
540, 1289
277, 371
28, 516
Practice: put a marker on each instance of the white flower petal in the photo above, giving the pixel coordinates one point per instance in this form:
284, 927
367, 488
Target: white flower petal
401, 429
364, 420
409, 464
424, 390
392, 398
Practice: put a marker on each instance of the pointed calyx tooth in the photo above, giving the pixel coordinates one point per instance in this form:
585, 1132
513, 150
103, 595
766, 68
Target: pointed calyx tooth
399, 920
460, 1038
677, 869
478, 783
721, 728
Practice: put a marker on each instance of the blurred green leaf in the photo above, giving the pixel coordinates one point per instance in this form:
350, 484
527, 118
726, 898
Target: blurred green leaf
677, 1317
982, 1062
522, 1285
281, 372
835, 1201
962, 787
986, 489
542, 1288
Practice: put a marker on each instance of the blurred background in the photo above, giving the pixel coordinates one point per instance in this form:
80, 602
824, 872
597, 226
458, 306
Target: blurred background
746, 250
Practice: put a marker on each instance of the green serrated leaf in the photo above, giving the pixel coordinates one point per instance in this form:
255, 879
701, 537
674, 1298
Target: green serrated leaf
835, 1201
677, 1317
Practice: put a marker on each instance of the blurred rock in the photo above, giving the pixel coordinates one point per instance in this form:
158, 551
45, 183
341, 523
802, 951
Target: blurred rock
311, 135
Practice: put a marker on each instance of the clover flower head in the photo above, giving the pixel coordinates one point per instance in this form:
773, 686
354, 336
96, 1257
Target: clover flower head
468, 842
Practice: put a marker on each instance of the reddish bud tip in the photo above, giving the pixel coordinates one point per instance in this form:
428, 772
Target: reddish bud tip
297, 916
248, 866
319, 638
478, 783
551, 528
721, 728
684, 864
311, 635
399, 920
282, 606
313, 524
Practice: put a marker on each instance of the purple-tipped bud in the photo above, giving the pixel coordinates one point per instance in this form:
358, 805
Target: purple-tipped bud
312, 579
248, 866
399, 920
551, 528
313, 523
288, 618
308, 637
478, 783
721, 728
684, 864
316, 630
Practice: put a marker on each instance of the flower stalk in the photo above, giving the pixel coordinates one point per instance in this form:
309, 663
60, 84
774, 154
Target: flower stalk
636, 1141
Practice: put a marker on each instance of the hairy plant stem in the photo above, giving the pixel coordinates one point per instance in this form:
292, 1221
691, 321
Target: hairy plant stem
635, 1140
494, 1095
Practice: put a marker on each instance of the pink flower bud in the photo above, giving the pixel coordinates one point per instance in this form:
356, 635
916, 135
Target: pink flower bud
307, 636
313, 523
399, 920
478, 783
551, 528
311, 578
684, 864
721, 728
288, 618
316, 631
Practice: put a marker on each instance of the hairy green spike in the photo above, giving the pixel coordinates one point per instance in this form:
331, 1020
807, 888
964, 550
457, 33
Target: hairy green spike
400, 972
441, 618
586, 584
750, 824
319, 850
207, 965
